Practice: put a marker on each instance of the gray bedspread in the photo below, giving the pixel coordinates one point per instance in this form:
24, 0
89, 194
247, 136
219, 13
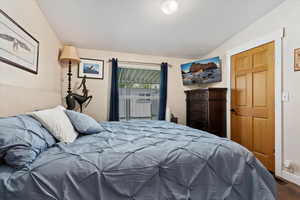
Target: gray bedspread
141, 160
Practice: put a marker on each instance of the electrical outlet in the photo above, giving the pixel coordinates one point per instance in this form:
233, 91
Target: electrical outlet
285, 96
287, 164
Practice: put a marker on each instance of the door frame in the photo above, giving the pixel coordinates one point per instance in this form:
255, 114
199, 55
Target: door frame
275, 37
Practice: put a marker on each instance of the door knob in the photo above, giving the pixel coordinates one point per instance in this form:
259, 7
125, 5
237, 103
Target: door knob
232, 110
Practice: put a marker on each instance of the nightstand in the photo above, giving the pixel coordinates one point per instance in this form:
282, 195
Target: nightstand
174, 120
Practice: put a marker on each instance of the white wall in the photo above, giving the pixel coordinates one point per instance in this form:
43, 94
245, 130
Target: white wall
100, 89
287, 15
21, 91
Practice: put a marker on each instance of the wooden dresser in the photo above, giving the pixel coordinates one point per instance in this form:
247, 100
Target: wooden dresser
206, 110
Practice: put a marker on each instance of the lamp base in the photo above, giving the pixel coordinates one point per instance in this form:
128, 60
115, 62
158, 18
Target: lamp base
69, 76
71, 104
70, 98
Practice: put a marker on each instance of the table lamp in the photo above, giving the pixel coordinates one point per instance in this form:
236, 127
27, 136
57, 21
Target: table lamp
69, 54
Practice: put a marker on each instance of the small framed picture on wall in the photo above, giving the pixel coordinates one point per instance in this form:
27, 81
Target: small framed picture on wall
297, 60
91, 68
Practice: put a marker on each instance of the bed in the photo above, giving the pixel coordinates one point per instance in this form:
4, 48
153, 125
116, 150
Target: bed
141, 160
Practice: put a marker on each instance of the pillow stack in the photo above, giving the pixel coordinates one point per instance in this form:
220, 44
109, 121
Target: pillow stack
24, 137
61, 123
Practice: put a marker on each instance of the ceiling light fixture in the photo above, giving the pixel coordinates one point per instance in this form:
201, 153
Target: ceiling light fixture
169, 6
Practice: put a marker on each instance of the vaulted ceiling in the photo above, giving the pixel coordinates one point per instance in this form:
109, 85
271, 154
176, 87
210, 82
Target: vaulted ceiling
139, 26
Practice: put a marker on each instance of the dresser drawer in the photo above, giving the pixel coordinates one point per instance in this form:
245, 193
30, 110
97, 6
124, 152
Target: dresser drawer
198, 106
199, 116
199, 96
199, 125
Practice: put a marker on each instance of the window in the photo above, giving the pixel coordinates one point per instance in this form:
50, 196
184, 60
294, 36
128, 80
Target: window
138, 93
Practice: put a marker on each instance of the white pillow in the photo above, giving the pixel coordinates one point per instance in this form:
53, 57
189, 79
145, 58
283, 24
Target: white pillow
57, 123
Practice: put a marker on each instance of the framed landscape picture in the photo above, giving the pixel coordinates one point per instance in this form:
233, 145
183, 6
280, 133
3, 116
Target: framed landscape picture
202, 71
17, 46
91, 68
297, 60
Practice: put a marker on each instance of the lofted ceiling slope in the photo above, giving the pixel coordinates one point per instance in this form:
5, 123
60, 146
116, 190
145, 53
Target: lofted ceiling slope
139, 26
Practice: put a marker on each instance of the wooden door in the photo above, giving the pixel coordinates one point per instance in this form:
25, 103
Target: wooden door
252, 102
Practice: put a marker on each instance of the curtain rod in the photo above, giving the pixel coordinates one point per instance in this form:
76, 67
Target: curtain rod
138, 63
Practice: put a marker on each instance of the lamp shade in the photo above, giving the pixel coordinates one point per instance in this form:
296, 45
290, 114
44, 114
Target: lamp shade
69, 53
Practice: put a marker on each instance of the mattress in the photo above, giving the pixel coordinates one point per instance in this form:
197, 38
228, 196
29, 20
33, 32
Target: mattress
141, 160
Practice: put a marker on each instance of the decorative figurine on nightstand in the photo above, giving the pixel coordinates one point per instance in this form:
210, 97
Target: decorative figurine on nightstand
69, 53
80, 99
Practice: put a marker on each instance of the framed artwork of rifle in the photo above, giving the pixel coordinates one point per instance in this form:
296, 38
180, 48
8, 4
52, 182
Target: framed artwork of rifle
17, 47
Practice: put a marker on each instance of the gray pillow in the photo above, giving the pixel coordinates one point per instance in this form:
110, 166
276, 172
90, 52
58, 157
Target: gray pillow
84, 124
22, 139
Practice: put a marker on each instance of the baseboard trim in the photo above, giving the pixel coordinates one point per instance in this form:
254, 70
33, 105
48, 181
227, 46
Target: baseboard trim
291, 177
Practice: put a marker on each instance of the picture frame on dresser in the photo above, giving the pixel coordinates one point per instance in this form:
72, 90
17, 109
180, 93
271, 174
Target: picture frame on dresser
17, 46
91, 68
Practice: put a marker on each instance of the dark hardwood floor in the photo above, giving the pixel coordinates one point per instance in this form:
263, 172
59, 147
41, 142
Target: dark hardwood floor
288, 191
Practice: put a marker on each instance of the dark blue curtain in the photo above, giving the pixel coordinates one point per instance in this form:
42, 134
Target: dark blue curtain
114, 95
163, 91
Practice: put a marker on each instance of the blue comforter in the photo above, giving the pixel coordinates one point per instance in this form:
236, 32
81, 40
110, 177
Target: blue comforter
141, 160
